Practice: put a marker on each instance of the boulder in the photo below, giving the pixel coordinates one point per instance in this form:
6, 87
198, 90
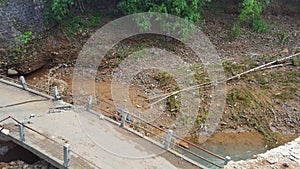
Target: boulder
12, 72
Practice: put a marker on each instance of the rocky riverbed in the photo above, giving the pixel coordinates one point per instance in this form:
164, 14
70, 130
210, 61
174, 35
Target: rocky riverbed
41, 164
285, 156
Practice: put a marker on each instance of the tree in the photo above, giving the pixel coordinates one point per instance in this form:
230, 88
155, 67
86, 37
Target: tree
188, 9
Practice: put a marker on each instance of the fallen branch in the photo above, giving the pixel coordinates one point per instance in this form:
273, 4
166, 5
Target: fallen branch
274, 66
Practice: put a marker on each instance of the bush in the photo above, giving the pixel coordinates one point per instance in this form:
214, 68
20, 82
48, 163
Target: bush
25, 37
190, 10
235, 31
250, 14
59, 9
77, 26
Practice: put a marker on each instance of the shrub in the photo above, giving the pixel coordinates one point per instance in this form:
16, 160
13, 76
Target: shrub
250, 14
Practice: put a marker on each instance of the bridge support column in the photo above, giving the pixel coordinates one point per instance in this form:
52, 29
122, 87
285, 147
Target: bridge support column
168, 139
89, 103
22, 132
23, 82
67, 156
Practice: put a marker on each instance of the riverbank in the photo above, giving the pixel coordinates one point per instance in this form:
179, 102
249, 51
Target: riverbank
285, 156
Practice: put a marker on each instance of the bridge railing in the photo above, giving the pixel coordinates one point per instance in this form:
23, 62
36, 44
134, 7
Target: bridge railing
21, 83
160, 135
32, 137
147, 129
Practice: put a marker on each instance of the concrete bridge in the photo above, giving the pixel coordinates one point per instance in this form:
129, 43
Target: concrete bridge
72, 137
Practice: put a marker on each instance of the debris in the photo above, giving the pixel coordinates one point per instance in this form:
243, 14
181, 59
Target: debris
184, 144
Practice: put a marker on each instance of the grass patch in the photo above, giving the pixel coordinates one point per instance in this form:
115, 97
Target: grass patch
248, 108
283, 37
167, 82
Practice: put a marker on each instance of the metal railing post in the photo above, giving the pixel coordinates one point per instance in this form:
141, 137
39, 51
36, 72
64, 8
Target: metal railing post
56, 97
124, 117
227, 159
89, 103
168, 139
22, 132
67, 156
23, 82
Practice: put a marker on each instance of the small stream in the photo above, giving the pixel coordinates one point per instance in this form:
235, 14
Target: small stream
238, 146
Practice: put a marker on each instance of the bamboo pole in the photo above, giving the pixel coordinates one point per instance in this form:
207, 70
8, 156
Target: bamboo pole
261, 67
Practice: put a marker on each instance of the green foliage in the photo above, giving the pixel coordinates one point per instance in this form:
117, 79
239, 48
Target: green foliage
25, 38
95, 21
80, 25
59, 9
236, 31
283, 37
77, 26
190, 10
250, 14
3, 2
166, 81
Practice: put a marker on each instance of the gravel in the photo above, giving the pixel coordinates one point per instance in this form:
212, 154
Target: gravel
41, 164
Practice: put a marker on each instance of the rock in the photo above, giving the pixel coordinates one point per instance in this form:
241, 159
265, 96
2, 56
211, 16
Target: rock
32, 65
20, 162
12, 163
284, 153
11, 72
294, 157
286, 165
286, 50
4, 150
272, 160
285, 156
